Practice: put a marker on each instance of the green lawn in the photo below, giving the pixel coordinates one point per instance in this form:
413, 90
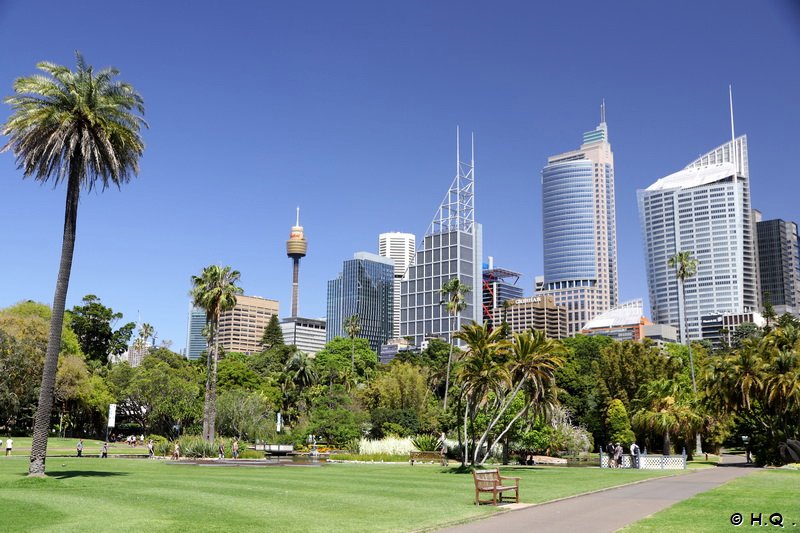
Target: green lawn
765, 493
57, 446
142, 495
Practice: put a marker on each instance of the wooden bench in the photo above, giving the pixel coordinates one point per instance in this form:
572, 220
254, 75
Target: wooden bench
492, 481
433, 457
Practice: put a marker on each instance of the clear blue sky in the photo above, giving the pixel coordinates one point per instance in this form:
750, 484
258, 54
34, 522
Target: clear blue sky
349, 110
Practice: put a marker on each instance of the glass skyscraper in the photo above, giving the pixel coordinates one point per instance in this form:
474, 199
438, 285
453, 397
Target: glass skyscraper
452, 248
579, 229
703, 209
399, 247
779, 261
365, 287
196, 343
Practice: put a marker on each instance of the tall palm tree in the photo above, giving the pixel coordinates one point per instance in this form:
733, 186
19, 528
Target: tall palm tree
215, 291
352, 326
147, 331
686, 267
81, 127
454, 294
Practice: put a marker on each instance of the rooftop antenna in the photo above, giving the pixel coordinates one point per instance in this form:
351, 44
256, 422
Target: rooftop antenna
733, 135
297, 223
603, 111
458, 150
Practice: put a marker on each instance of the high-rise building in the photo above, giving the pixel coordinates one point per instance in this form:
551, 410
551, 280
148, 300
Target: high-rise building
624, 322
499, 286
308, 334
779, 262
241, 328
539, 313
365, 288
703, 209
196, 343
579, 227
399, 247
452, 248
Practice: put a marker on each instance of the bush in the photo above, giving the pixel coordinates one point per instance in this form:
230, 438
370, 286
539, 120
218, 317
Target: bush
426, 443
388, 446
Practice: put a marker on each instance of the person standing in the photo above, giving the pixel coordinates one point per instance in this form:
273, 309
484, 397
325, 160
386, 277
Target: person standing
9, 446
634, 455
610, 452
221, 449
151, 449
618, 455
176, 453
79, 447
104, 451
235, 449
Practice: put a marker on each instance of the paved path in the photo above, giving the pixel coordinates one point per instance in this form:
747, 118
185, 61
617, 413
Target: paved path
611, 509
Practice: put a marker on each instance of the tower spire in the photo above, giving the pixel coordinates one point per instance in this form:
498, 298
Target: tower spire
733, 135
603, 111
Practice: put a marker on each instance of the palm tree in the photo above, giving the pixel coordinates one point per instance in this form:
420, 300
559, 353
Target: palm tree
685, 268
352, 326
666, 410
454, 293
147, 331
80, 127
215, 291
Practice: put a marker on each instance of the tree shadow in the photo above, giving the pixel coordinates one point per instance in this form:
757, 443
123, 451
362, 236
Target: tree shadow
67, 474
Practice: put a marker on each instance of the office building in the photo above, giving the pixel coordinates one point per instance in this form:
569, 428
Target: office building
196, 343
365, 288
452, 248
538, 313
703, 209
623, 322
779, 265
308, 334
499, 286
721, 328
241, 328
579, 228
399, 247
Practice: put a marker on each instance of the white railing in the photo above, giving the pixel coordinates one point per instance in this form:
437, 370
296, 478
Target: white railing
648, 462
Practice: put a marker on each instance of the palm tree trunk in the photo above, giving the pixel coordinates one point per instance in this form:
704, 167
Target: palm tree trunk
698, 444
449, 359
44, 409
210, 405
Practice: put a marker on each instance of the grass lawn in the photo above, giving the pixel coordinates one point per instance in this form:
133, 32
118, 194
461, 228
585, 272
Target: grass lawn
142, 495
765, 492
57, 446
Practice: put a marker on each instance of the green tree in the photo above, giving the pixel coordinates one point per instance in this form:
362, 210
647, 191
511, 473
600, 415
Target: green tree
352, 326
333, 361
214, 290
454, 294
93, 323
666, 409
273, 335
619, 425
79, 126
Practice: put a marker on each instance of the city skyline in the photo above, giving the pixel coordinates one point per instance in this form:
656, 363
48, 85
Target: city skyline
353, 121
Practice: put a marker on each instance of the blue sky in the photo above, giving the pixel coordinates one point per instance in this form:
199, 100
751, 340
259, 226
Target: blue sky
349, 110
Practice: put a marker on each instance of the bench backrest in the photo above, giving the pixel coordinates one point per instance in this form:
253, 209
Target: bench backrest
486, 479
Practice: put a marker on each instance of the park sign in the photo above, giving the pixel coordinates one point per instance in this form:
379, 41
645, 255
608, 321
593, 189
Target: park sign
112, 414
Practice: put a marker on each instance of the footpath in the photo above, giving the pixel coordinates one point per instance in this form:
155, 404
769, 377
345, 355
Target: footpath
611, 509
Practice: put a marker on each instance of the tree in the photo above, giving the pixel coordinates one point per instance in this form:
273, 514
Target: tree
619, 425
273, 334
333, 362
80, 126
93, 323
214, 290
453, 292
352, 326
685, 268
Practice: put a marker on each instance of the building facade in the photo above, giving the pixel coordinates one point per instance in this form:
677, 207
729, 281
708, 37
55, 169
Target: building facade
622, 323
579, 229
365, 288
308, 334
779, 264
241, 328
703, 209
400, 248
196, 343
539, 313
499, 286
452, 248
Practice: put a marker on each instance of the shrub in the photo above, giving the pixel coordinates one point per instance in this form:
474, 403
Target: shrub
387, 445
426, 443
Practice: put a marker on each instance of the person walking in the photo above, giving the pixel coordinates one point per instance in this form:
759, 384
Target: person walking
618, 455
221, 449
176, 452
151, 449
104, 451
9, 445
610, 452
235, 449
79, 447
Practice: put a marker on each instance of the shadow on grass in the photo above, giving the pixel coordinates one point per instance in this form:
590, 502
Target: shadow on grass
67, 474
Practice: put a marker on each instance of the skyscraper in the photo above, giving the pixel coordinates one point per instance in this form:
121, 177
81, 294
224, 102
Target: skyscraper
579, 227
452, 248
196, 343
499, 286
779, 262
399, 247
365, 287
241, 328
703, 209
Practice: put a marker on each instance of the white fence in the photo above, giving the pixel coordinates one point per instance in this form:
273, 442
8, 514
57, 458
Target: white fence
648, 462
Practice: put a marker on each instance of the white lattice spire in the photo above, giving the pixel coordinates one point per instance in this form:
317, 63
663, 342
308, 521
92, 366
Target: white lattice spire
457, 210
